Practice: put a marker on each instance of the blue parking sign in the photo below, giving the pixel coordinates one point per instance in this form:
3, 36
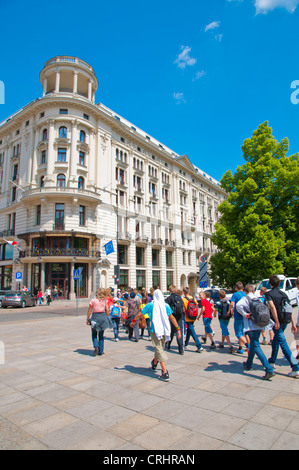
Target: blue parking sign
19, 276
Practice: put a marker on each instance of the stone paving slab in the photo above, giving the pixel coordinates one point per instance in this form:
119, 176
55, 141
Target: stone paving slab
54, 394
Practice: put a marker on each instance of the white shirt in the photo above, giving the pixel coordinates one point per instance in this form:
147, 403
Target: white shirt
297, 299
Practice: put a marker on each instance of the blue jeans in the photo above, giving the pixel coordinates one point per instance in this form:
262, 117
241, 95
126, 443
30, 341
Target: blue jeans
224, 327
280, 340
115, 323
255, 349
98, 339
191, 332
207, 324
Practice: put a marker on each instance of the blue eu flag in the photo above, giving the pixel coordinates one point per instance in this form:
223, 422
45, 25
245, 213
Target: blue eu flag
109, 248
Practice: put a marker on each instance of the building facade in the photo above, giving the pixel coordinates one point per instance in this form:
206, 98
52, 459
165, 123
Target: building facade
75, 175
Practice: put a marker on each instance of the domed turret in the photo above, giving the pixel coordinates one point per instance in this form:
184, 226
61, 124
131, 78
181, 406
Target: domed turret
65, 74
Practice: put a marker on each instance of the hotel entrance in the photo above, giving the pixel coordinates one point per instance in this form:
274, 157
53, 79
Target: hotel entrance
58, 275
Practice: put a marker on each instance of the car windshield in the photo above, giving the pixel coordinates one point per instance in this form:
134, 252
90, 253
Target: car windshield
16, 294
267, 285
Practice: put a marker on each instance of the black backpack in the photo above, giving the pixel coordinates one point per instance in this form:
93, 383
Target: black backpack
224, 309
260, 313
176, 303
286, 310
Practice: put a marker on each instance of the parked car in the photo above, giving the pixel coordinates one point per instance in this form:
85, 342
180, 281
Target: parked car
215, 294
2, 294
287, 285
18, 299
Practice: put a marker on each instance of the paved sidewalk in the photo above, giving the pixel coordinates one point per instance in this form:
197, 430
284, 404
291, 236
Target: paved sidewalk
54, 394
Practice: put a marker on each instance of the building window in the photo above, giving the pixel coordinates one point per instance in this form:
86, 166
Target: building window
82, 136
123, 279
140, 256
63, 111
81, 158
13, 193
62, 155
81, 215
38, 215
169, 259
59, 216
45, 134
61, 181
156, 279
15, 172
169, 278
122, 252
140, 279
63, 132
80, 182
155, 257
86, 116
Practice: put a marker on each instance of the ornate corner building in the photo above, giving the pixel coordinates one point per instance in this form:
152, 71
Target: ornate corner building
75, 175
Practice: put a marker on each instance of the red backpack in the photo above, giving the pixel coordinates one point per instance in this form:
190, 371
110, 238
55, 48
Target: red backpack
192, 309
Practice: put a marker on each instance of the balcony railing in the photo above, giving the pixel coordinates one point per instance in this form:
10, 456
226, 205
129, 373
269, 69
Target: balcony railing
7, 233
80, 252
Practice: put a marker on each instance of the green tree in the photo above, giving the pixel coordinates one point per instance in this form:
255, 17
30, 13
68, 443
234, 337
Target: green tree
257, 234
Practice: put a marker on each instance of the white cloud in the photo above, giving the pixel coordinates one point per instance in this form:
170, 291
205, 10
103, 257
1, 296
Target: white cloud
263, 6
179, 97
199, 75
213, 25
184, 59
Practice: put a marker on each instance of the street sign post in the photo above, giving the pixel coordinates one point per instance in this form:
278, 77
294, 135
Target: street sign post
203, 272
77, 276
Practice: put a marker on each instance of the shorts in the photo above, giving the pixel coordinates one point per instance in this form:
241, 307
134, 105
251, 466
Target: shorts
207, 323
296, 335
239, 328
159, 345
224, 327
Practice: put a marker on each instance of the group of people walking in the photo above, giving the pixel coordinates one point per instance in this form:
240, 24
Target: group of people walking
176, 315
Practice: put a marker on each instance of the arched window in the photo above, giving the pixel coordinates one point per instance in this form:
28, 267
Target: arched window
63, 132
45, 134
82, 136
61, 181
80, 182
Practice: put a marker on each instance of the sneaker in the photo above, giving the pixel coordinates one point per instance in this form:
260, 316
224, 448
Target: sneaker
264, 341
294, 374
199, 350
221, 346
231, 350
116, 339
154, 366
240, 351
213, 346
272, 365
96, 351
269, 375
246, 367
204, 340
164, 377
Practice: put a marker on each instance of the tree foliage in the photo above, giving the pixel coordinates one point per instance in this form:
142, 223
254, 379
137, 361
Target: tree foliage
257, 234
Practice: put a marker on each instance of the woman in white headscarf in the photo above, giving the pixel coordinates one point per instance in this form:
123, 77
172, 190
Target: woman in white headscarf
159, 314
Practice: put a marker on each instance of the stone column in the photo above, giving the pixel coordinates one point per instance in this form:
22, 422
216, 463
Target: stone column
75, 82
73, 155
50, 178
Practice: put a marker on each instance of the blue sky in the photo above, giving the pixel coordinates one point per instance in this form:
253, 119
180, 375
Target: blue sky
199, 76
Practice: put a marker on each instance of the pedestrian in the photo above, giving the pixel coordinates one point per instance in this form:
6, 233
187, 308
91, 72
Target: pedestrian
133, 310
209, 298
48, 295
238, 319
159, 314
40, 296
190, 330
97, 317
115, 313
144, 301
263, 291
296, 333
222, 308
55, 293
207, 315
253, 331
274, 298
175, 301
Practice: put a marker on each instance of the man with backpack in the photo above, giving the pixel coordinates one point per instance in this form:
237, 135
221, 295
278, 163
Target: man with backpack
254, 323
191, 314
174, 300
279, 306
